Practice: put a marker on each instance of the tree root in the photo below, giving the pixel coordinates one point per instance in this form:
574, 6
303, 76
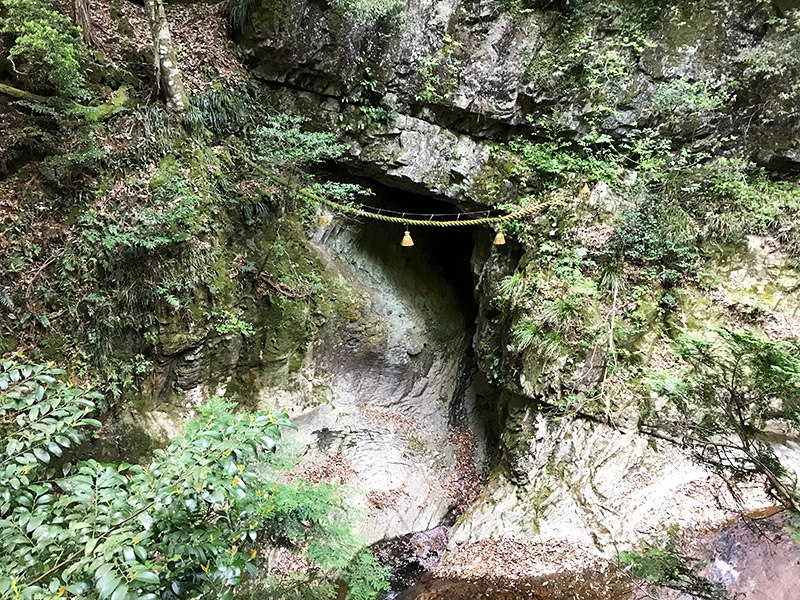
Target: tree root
90, 113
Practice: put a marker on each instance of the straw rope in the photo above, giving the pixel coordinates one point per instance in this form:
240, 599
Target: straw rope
388, 218
430, 223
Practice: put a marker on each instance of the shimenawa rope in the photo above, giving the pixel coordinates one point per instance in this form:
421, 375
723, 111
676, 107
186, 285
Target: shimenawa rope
387, 218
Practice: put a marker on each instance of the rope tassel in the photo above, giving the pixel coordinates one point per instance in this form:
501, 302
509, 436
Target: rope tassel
324, 221
499, 239
407, 241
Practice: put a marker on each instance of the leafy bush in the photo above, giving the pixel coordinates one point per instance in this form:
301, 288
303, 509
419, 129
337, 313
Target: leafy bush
167, 217
661, 563
735, 383
730, 199
190, 523
440, 74
282, 142
576, 59
688, 97
180, 525
47, 49
555, 161
656, 233
364, 579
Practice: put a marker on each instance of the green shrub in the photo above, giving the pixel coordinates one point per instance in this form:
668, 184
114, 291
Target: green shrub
228, 321
183, 524
554, 161
777, 58
730, 199
656, 233
282, 142
47, 49
530, 337
563, 314
734, 384
190, 523
689, 97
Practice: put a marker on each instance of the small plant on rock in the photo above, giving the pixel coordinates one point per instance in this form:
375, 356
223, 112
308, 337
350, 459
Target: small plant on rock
662, 563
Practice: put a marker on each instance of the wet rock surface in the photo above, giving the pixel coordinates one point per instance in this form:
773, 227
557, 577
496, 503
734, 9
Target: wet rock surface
751, 559
411, 555
755, 560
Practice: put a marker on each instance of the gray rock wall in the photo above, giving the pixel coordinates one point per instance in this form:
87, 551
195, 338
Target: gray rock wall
427, 100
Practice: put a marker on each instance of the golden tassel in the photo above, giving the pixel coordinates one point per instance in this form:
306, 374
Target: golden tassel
407, 241
324, 221
585, 192
499, 239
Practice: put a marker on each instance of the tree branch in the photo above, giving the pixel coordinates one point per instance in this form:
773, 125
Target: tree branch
90, 113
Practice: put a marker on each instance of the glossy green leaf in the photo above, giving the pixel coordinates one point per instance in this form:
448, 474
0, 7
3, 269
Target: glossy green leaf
147, 577
107, 584
121, 592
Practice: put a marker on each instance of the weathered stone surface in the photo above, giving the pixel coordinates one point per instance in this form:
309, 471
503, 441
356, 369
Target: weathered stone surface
411, 555
599, 487
378, 389
480, 80
424, 103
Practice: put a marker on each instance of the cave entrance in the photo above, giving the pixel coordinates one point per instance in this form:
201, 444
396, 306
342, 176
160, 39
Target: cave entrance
422, 298
445, 252
409, 412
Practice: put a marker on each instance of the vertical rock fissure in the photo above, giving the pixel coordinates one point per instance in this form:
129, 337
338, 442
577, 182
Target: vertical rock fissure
466, 374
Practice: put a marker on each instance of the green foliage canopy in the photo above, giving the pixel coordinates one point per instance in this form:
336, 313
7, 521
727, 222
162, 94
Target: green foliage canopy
281, 142
183, 524
188, 524
47, 49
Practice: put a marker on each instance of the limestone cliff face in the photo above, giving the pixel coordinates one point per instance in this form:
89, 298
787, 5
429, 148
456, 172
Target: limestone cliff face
429, 98
477, 103
490, 69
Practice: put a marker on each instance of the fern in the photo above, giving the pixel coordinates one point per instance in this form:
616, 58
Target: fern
253, 212
5, 299
239, 15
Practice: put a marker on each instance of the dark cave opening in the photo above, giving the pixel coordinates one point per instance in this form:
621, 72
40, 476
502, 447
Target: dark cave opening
446, 251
